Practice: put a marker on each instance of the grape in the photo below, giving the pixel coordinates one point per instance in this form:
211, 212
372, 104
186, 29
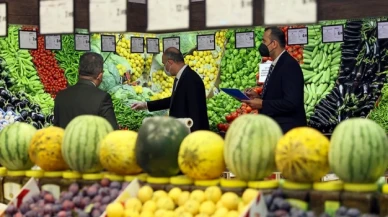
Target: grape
18, 214
49, 198
85, 201
96, 185
42, 193
77, 201
96, 213
68, 205
105, 182
11, 209
57, 208
341, 211
62, 214
103, 208
35, 198
284, 205
114, 193
268, 200
104, 191
67, 196
353, 212
32, 213
310, 214
29, 201
40, 203
278, 193
97, 198
81, 213
74, 188
48, 209
47, 215
92, 191
324, 215
115, 185
106, 200
280, 213
24, 208
271, 214
124, 185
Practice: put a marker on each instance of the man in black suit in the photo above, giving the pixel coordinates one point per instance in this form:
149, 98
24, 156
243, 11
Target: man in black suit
85, 98
282, 96
188, 99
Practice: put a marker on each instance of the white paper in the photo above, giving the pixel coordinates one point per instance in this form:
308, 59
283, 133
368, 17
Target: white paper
56, 16
263, 71
171, 42
28, 40
53, 42
297, 36
245, 39
332, 33
137, 45
229, 13
108, 43
138, 1
167, 14
382, 29
290, 11
3, 19
152, 45
206, 42
108, 15
82, 42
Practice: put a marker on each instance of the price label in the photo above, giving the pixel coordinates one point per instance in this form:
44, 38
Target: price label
175, 14
245, 39
138, 1
82, 42
53, 42
108, 15
137, 45
332, 33
171, 42
290, 11
263, 71
152, 45
297, 36
56, 16
206, 42
382, 30
229, 13
108, 43
28, 40
3, 19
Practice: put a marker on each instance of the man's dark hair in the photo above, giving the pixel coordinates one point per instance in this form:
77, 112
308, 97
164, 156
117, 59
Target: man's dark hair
91, 64
277, 35
174, 54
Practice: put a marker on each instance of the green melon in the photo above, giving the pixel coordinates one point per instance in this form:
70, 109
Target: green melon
81, 142
14, 143
157, 146
358, 151
250, 144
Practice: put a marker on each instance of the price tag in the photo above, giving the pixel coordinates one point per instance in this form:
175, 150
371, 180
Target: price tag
332, 33
245, 39
56, 16
108, 43
297, 36
171, 42
82, 42
382, 30
26, 193
290, 11
263, 71
3, 19
206, 42
152, 45
229, 13
108, 15
137, 45
28, 40
138, 1
53, 42
168, 15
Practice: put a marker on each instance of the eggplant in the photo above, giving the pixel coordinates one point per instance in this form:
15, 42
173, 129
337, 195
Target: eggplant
35, 125
351, 37
9, 107
35, 107
352, 32
5, 94
24, 114
14, 100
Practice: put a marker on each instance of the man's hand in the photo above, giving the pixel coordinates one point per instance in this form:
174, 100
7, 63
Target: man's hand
251, 93
139, 106
254, 103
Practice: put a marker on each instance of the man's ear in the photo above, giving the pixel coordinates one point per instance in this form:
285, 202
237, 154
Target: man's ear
99, 77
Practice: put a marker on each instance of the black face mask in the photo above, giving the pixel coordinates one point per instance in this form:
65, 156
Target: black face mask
263, 50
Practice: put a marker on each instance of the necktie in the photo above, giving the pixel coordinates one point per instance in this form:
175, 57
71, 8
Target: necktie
174, 85
267, 79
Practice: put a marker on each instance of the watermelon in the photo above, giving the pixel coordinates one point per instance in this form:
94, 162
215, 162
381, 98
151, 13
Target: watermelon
250, 144
302, 155
358, 151
157, 146
14, 142
80, 147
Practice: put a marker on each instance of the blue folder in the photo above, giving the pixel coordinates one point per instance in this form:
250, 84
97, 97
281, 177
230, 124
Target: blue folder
236, 93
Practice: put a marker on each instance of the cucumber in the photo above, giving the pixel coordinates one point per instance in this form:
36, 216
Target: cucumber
307, 61
309, 53
306, 77
315, 51
306, 56
317, 77
335, 61
306, 66
336, 54
322, 63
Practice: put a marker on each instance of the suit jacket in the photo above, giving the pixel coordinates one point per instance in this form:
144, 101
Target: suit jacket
83, 99
187, 101
283, 98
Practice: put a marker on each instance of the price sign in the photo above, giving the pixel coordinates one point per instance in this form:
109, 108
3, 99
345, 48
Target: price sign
245, 39
206, 42
107, 15
137, 45
28, 40
382, 30
332, 33
290, 11
152, 45
82, 42
229, 13
175, 14
263, 71
171, 42
108, 43
3, 19
297, 36
56, 16
53, 42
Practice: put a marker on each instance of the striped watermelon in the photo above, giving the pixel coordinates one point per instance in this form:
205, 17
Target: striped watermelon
250, 144
80, 147
358, 151
14, 142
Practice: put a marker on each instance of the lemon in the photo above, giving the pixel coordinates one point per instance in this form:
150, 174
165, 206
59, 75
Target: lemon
186, 214
149, 206
183, 198
202, 215
207, 207
221, 211
174, 194
241, 206
159, 213
230, 200
131, 213
133, 204
198, 195
219, 204
169, 214
158, 194
180, 210
192, 206
115, 210
249, 194
232, 213
165, 203
213, 193
145, 193
146, 214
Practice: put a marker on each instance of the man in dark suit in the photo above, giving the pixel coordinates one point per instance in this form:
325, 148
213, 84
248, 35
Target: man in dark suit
188, 99
282, 96
85, 98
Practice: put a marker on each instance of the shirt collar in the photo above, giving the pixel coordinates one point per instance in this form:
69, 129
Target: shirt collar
178, 76
277, 58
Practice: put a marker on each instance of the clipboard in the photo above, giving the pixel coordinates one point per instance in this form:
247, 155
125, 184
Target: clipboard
235, 93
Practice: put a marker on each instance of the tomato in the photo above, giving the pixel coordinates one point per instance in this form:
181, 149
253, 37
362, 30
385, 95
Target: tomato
244, 104
249, 109
226, 127
238, 111
299, 56
229, 118
234, 115
220, 127
290, 50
